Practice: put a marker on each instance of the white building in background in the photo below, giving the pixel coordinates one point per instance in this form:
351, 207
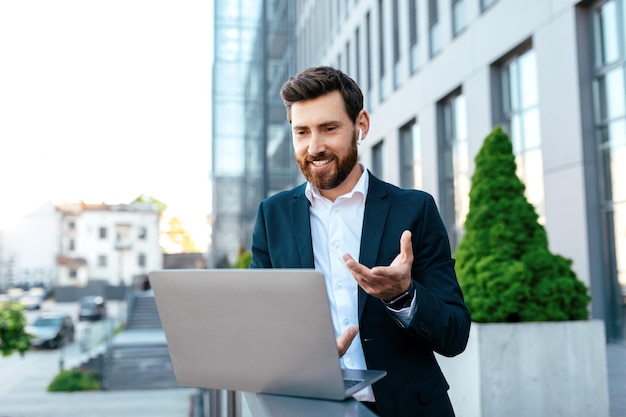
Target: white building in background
113, 243
72, 244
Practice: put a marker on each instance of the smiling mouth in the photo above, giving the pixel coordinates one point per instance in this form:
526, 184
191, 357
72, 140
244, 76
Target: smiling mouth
321, 163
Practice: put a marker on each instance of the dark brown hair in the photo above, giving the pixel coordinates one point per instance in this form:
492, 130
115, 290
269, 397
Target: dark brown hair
317, 81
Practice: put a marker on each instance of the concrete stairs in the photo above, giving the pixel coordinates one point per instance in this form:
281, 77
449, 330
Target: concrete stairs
143, 312
138, 357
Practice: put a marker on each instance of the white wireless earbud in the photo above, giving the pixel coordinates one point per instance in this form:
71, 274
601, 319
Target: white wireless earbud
360, 139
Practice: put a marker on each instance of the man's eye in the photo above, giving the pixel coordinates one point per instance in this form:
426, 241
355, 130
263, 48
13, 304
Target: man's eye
331, 128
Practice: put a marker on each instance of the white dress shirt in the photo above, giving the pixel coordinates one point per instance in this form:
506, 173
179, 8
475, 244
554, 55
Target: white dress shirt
335, 230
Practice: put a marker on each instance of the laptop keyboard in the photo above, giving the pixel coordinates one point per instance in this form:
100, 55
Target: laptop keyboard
349, 383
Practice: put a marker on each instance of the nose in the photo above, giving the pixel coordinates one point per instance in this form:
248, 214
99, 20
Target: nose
316, 144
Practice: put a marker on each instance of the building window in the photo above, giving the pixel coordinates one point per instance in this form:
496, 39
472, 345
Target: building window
71, 225
71, 245
368, 60
72, 273
102, 261
396, 45
331, 17
381, 51
357, 59
123, 236
486, 3
519, 116
103, 233
141, 260
410, 156
609, 91
338, 20
454, 154
348, 57
377, 159
143, 233
434, 31
459, 16
414, 60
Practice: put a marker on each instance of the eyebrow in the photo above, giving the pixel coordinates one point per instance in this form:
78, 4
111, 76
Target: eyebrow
321, 125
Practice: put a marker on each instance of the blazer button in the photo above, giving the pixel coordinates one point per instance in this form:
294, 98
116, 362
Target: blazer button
425, 328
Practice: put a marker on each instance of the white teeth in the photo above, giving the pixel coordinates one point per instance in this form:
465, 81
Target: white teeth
320, 163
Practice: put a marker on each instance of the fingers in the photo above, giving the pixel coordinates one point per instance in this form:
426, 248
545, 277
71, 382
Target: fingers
345, 339
385, 282
406, 248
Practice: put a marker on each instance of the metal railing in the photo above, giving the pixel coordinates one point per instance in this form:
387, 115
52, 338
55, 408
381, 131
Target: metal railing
216, 403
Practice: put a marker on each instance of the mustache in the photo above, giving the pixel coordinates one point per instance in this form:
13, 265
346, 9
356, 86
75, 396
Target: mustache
318, 157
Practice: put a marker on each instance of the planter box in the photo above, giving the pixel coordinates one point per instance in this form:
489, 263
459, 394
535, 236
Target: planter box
531, 370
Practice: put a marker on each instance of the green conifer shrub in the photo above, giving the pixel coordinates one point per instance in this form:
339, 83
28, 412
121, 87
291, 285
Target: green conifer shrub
504, 265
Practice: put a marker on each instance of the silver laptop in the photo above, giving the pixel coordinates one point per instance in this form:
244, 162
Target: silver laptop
254, 330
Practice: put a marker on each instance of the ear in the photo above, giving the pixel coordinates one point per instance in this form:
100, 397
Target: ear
363, 123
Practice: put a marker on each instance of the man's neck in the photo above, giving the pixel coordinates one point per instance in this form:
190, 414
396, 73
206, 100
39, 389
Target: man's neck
346, 186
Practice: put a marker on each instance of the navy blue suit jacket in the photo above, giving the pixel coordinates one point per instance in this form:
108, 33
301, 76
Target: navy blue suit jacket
414, 385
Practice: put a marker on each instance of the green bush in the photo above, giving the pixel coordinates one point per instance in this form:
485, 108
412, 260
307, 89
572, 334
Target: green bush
13, 336
504, 265
244, 260
71, 380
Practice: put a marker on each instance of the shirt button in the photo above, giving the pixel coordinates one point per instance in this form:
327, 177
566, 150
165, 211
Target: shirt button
346, 321
340, 285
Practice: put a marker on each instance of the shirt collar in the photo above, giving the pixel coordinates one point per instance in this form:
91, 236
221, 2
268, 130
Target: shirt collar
361, 187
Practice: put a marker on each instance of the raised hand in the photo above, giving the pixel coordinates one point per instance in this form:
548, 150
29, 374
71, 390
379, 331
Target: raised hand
385, 282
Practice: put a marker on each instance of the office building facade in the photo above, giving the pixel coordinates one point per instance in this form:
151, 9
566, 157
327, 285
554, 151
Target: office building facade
438, 75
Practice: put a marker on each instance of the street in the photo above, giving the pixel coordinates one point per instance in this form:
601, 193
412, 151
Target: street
24, 379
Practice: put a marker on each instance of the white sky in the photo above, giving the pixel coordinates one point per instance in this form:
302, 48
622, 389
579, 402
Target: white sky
103, 101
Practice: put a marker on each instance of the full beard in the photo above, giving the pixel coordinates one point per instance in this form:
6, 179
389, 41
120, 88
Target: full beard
332, 178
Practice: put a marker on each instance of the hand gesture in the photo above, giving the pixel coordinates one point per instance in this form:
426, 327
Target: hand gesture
385, 282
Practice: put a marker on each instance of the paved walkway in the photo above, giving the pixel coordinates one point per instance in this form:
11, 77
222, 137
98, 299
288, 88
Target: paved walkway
23, 383
24, 394
616, 369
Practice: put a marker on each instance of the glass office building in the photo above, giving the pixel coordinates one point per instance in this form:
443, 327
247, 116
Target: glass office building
437, 76
251, 150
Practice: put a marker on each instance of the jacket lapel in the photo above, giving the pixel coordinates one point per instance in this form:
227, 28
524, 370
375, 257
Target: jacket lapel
299, 211
374, 219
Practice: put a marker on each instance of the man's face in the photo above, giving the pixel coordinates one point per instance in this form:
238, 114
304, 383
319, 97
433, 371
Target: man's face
324, 140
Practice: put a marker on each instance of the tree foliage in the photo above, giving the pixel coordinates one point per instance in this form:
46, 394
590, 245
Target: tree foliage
179, 235
504, 264
158, 204
13, 336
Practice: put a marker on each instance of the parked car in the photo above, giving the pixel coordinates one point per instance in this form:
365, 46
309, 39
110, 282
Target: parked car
33, 298
51, 329
92, 308
31, 302
15, 293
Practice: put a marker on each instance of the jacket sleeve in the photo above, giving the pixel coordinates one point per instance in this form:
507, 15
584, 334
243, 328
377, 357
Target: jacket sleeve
441, 321
260, 252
